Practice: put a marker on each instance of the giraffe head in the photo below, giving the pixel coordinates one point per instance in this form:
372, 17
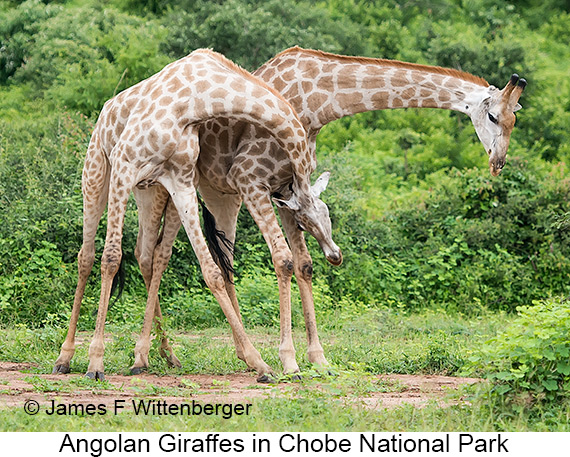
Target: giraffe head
494, 119
312, 215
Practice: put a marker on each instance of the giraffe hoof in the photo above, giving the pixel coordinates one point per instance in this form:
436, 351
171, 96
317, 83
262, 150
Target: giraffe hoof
96, 375
266, 378
292, 376
60, 369
137, 370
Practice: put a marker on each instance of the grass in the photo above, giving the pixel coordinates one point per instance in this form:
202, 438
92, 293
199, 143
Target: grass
309, 412
379, 342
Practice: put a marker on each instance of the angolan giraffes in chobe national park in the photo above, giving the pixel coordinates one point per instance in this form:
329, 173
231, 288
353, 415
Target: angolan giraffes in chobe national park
148, 136
242, 162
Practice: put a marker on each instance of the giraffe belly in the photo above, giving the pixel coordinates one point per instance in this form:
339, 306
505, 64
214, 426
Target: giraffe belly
216, 176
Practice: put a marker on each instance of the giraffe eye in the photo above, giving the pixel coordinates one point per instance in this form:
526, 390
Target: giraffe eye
300, 227
492, 118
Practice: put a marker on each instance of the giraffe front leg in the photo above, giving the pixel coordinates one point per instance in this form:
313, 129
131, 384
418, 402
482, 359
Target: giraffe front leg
180, 183
187, 205
304, 274
259, 205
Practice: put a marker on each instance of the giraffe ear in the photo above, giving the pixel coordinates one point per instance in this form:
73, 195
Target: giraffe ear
321, 184
291, 204
516, 108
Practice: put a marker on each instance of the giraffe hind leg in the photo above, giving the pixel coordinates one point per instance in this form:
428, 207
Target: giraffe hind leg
227, 218
160, 257
225, 209
119, 189
151, 203
170, 230
95, 187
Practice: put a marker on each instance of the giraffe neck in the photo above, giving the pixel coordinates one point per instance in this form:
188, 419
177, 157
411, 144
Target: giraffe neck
324, 87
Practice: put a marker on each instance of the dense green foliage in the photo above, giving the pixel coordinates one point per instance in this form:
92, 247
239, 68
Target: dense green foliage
529, 361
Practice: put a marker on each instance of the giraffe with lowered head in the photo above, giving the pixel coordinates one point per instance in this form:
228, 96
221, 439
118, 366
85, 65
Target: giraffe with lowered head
238, 160
148, 134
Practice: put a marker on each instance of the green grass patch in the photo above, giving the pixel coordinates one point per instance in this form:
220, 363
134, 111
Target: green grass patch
380, 341
310, 412
375, 343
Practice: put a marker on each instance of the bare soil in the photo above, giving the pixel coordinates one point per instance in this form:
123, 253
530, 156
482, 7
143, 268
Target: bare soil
17, 385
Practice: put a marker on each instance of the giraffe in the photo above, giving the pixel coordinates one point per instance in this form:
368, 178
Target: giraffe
148, 134
323, 87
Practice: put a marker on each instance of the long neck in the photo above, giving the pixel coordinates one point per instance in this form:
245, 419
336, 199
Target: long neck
324, 87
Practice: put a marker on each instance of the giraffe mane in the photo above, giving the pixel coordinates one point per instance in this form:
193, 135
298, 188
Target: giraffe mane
246, 74
387, 62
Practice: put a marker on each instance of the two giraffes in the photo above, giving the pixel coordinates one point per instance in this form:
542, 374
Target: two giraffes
202, 122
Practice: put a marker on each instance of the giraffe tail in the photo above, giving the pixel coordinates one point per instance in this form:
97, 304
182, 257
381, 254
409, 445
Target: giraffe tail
118, 284
217, 241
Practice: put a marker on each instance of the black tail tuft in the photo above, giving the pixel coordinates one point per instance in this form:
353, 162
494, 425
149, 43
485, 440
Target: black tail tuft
118, 284
216, 238
119, 281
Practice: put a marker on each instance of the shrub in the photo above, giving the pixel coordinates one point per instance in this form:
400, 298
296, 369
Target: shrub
81, 66
529, 362
251, 33
191, 307
36, 292
418, 218
469, 241
18, 29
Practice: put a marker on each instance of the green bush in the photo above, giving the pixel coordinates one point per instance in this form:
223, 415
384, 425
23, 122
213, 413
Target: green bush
258, 296
469, 241
250, 33
529, 362
495, 59
18, 33
36, 289
79, 67
191, 307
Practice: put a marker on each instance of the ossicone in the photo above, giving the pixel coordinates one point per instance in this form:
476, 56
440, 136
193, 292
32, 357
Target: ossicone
512, 92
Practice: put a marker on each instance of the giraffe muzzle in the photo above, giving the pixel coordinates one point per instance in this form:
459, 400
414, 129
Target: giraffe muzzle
334, 258
496, 165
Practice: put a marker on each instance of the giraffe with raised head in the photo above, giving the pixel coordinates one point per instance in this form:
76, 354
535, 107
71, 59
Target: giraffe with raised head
322, 87
148, 134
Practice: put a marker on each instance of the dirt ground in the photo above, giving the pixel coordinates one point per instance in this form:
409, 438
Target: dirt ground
17, 385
